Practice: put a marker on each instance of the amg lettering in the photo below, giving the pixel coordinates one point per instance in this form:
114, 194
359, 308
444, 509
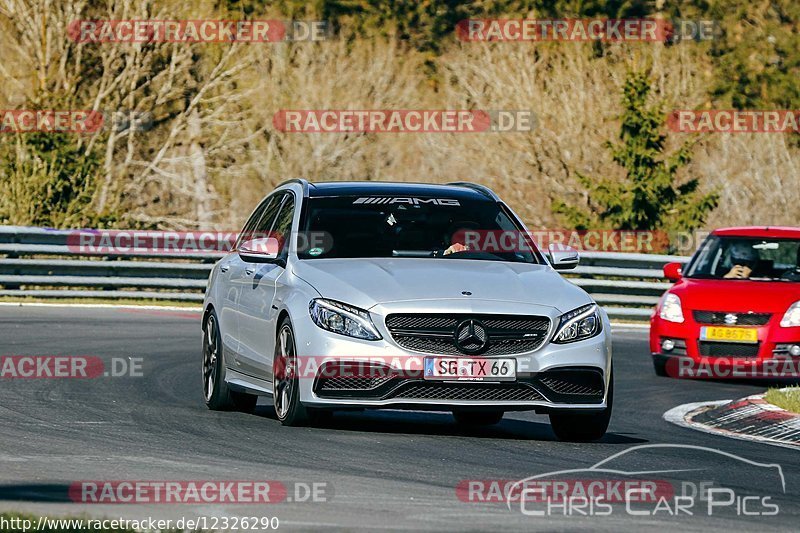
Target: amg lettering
410, 201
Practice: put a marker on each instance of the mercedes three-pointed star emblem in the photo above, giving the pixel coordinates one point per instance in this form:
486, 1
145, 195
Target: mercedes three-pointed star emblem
471, 336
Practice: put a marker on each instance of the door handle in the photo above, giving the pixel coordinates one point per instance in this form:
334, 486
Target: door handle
249, 270
224, 268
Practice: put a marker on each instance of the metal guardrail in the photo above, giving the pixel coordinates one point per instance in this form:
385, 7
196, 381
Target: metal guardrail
41, 263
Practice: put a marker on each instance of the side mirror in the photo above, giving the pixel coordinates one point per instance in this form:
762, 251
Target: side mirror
261, 250
673, 271
563, 257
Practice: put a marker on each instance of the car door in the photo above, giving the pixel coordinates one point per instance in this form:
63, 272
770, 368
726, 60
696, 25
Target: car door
231, 270
258, 311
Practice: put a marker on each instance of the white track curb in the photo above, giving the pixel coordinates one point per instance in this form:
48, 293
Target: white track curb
682, 415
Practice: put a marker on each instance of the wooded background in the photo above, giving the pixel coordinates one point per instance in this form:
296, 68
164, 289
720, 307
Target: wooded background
212, 152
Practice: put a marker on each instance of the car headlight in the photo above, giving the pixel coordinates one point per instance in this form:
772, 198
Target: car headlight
579, 324
343, 319
792, 317
671, 309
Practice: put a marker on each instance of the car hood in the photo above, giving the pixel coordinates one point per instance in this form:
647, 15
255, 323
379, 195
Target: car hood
741, 296
368, 282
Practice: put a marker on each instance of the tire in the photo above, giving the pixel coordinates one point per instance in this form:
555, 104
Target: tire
660, 367
285, 382
216, 393
573, 427
478, 418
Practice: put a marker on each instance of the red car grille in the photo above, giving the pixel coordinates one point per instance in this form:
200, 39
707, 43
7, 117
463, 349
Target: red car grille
728, 349
717, 318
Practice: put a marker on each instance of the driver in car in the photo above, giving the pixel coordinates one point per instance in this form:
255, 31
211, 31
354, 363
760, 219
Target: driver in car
744, 259
459, 235
457, 247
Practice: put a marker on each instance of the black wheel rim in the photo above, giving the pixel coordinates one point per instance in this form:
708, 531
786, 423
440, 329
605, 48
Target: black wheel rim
210, 352
283, 381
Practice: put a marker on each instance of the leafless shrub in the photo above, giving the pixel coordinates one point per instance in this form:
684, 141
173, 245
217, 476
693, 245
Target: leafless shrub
213, 151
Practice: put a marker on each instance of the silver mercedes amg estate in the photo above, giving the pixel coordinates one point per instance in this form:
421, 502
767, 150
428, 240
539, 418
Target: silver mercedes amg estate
354, 295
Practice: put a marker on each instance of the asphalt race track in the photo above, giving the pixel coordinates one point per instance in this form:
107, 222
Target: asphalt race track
382, 470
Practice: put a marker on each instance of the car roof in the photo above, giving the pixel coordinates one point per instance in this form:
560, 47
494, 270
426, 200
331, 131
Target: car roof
767, 232
367, 188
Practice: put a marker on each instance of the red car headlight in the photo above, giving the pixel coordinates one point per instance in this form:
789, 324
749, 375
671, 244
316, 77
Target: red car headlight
671, 309
792, 317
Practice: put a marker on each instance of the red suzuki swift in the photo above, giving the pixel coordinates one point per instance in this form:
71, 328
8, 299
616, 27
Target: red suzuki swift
736, 304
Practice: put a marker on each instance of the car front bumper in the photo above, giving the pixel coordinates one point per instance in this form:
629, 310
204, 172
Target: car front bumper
553, 377
767, 356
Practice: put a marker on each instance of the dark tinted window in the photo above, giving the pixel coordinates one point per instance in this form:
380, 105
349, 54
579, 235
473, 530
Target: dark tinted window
250, 226
283, 222
267, 220
403, 227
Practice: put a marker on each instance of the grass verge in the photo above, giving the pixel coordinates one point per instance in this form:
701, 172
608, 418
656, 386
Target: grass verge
787, 398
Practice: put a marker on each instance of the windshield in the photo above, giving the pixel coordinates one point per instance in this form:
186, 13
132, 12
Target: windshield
422, 227
750, 258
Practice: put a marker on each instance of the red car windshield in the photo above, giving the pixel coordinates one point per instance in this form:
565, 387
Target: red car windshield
750, 258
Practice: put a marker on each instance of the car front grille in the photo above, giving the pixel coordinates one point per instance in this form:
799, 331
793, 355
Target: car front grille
574, 383
583, 385
728, 349
468, 392
742, 319
436, 333
353, 383
344, 376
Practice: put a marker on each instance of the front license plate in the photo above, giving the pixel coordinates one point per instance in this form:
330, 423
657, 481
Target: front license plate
470, 369
743, 335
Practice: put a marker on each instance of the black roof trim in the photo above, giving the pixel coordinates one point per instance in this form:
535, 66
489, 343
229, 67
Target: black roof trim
383, 188
486, 191
302, 182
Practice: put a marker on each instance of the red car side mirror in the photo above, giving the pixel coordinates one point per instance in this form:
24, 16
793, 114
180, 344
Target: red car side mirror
673, 271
